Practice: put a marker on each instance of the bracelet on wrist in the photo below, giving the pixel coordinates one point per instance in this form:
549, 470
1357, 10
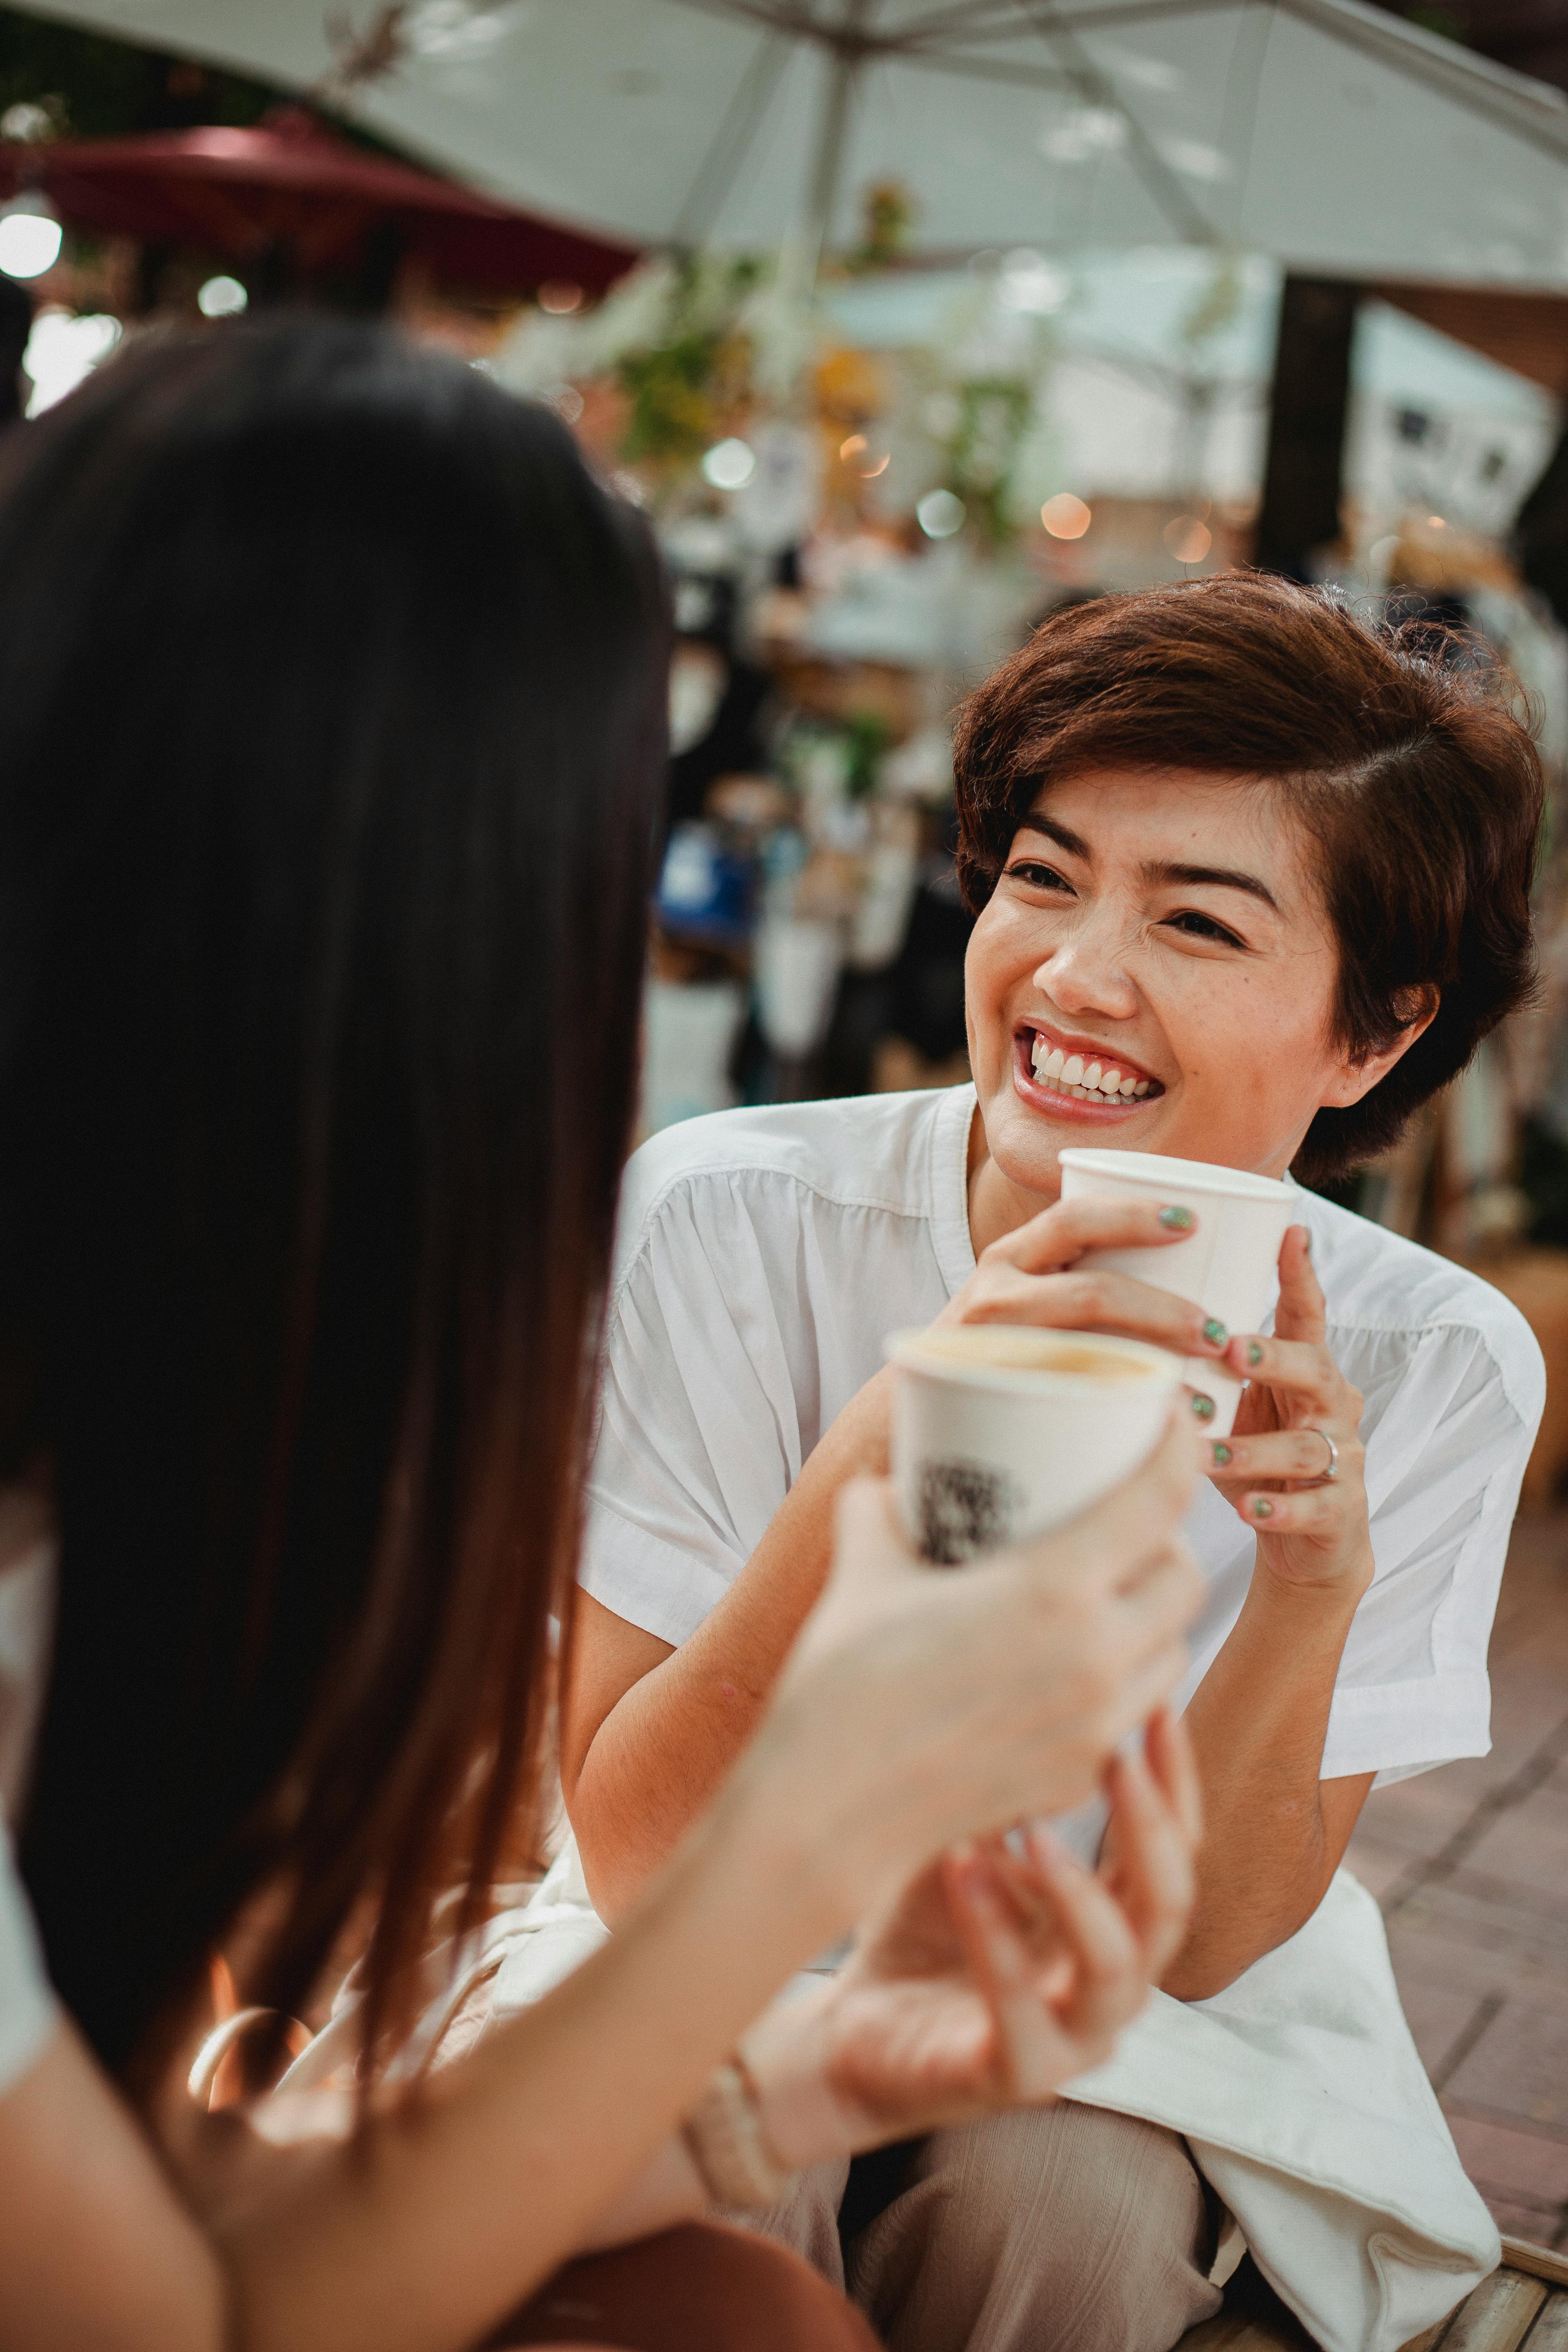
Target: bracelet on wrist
725, 2140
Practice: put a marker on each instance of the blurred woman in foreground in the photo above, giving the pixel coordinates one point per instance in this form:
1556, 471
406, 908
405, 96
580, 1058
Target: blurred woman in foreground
329, 695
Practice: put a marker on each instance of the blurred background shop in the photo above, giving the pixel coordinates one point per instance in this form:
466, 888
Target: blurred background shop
903, 338
903, 327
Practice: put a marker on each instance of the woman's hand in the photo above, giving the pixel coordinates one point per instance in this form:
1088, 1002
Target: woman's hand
1311, 1532
922, 1706
994, 1978
1033, 1276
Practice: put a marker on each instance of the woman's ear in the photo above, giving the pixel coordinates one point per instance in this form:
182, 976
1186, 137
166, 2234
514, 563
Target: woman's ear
1418, 1008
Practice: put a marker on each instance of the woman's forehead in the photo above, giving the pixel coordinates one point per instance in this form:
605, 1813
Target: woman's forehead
1181, 816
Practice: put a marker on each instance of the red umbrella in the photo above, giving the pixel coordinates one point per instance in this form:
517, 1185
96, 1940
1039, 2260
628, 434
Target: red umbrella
291, 182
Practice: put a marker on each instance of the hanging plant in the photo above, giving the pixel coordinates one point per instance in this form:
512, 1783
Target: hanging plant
994, 417
684, 387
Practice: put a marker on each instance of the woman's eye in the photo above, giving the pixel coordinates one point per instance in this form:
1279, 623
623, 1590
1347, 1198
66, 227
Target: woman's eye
1038, 876
1201, 926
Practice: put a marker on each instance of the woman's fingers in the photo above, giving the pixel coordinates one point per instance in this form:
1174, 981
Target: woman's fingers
1280, 1454
1154, 1869
1302, 1313
1033, 2057
1109, 1982
1061, 1233
1168, 1744
1142, 1689
1309, 1511
1089, 1300
1301, 1367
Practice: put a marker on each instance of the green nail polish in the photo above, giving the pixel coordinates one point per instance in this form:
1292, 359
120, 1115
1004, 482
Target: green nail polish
1262, 1508
1253, 1353
1215, 1332
1176, 1220
1221, 1454
1202, 1408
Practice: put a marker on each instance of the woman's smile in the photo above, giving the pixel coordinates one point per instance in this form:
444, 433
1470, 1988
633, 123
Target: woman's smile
1070, 1077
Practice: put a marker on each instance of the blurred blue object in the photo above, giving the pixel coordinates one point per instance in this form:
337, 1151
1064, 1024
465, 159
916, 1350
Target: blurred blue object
707, 887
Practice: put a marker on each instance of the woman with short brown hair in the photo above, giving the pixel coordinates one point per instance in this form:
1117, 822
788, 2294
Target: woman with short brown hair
1252, 880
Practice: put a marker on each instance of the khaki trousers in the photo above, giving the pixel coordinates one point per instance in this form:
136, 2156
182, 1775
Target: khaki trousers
1060, 2229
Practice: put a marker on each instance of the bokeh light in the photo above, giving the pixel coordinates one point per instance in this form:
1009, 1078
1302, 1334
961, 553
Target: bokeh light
729, 465
940, 514
1067, 516
30, 237
1188, 539
222, 298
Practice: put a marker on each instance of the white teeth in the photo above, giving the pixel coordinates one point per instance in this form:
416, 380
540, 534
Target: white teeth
1096, 1082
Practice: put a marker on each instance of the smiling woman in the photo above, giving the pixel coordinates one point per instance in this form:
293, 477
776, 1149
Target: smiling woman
1252, 880
1238, 774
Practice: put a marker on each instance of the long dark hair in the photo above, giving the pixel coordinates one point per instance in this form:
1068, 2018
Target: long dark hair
331, 716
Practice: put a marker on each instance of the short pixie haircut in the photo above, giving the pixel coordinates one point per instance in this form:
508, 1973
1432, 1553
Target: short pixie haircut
1399, 749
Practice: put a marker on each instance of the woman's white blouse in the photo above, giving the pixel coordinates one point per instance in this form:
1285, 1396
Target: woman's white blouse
763, 1257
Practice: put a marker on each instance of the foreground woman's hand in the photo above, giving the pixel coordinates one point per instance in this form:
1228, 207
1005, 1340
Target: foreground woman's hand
923, 1707
1272, 1466
995, 1978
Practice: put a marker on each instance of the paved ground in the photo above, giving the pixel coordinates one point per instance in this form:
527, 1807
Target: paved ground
1470, 1864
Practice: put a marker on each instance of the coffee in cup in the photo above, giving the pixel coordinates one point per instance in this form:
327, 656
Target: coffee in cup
1003, 1430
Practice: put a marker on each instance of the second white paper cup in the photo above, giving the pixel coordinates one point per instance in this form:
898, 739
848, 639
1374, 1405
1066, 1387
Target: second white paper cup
1228, 1264
992, 1444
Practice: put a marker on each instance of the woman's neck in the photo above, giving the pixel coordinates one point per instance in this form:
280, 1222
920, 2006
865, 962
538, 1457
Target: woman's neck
996, 1205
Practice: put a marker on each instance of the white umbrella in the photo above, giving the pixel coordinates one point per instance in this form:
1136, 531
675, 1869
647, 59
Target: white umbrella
1335, 138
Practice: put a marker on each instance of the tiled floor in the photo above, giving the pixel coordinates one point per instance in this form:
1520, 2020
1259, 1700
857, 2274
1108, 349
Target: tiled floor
1470, 1864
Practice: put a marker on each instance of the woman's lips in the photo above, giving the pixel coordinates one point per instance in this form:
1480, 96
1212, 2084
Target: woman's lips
1072, 1081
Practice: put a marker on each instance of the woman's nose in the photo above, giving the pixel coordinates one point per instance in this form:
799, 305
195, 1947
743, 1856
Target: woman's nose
1088, 971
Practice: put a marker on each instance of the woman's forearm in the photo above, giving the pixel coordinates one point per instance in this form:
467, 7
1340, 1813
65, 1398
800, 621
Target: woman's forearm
637, 1778
1273, 1829
516, 2158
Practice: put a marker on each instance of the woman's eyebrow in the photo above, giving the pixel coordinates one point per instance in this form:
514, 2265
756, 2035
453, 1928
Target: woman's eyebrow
1073, 843
1227, 878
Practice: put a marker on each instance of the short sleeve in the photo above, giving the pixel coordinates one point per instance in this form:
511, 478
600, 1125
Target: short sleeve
28, 2011
1448, 1429
701, 1433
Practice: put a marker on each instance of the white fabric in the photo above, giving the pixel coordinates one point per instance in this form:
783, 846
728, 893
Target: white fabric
28, 2011
763, 1257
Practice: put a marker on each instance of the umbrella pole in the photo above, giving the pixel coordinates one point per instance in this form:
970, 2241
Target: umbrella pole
846, 54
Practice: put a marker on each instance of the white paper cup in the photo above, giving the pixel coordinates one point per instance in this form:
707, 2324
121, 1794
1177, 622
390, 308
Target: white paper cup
1001, 1431
1228, 1264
